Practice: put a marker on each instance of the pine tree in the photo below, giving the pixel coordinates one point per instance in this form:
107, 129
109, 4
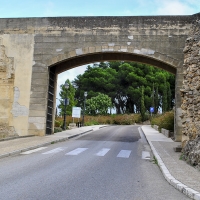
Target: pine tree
153, 98
69, 94
169, 97
142, 105
156, 100
164, 98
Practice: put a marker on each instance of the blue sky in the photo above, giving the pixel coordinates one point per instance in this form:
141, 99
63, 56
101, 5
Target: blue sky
53, 8
45, 8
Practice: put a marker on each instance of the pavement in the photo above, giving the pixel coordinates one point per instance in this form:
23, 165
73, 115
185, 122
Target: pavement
177, 172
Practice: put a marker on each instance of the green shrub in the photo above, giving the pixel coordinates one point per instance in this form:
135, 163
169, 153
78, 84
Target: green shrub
120, 119
124, 119
90, 123
145, 117
108, 121
138, 118
58, 123
165, 121
57, 129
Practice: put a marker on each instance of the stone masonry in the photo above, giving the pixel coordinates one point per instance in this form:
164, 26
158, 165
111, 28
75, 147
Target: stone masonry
191, 96
33, 51
6, 88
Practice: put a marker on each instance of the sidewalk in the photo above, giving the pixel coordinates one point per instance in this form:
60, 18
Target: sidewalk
179, 174
182, 176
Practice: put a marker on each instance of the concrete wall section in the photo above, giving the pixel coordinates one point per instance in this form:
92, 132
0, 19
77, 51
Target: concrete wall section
178, 110
6, 92
38, 99
18, 56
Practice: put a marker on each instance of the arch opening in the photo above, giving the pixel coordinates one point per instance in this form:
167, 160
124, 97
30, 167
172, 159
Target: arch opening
73, 62
111, 56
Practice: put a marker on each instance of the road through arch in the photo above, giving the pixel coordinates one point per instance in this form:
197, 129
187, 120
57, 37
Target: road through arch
72, 62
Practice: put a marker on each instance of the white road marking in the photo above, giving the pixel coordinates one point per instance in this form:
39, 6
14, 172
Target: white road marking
103, 152
76, 151
34, 150
124, 154
146, 155
56, 150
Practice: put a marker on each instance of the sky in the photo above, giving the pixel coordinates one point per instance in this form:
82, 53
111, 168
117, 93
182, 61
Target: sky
57, 8
47, 8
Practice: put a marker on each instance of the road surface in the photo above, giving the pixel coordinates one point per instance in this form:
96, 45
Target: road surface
113, 163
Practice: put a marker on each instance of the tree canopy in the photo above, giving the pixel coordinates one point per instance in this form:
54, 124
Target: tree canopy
69, 94
126, 83
98, 105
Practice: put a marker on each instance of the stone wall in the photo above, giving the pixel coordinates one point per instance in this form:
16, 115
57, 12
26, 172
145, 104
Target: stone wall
191, 96
32, 47
6, 88
16, 59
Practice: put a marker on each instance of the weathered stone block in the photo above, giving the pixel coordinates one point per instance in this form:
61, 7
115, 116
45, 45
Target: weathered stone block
92, 49
38, 100
41, 81
37, 126
39, 88
36, 94
37, 113
38, 106
36, 132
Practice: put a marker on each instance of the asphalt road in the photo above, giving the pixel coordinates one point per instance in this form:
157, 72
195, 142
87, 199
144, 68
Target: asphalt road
113, 163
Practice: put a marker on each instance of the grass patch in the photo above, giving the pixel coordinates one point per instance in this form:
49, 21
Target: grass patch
154, 161
57, 129
181, 157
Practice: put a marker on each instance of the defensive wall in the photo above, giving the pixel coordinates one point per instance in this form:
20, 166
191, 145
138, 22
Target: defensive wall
33, 51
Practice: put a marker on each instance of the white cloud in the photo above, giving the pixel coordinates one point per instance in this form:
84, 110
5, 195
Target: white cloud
49, 9
193, 2
174, 7
167, 7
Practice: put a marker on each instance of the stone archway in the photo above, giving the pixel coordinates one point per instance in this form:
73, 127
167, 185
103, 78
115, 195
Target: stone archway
37, 45
107, 56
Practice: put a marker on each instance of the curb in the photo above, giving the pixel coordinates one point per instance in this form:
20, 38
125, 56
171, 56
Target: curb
17, 137
170, 179
72, 136
43, 144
